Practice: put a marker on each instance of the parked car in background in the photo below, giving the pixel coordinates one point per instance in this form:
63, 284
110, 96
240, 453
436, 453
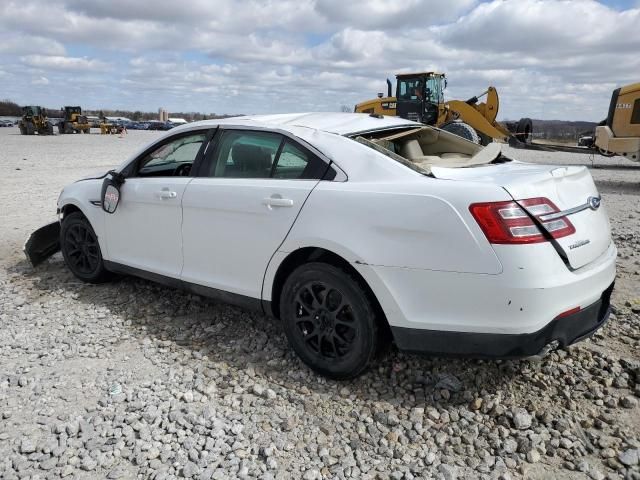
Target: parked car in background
157, 125
137, 126
352, 229
6, 123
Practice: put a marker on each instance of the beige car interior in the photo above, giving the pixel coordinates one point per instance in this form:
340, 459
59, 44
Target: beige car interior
425, 147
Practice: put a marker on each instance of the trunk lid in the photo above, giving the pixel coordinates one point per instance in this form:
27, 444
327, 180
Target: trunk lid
570, 188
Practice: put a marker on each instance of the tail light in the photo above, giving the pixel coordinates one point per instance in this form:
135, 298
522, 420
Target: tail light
506, 222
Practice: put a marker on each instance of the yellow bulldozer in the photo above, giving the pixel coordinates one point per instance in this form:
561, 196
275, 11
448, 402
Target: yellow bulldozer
73, 121
420, 97
34, 120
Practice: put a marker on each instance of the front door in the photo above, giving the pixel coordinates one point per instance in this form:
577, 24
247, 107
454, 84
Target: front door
239, 213
145, 230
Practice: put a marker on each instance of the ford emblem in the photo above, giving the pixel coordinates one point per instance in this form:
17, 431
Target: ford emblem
593, 202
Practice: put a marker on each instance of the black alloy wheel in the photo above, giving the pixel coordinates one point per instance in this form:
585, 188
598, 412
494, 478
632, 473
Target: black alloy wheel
81, 250
329, 320
326, 319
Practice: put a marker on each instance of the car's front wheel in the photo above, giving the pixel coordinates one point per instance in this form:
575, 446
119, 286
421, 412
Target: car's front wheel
329, 320
81, 250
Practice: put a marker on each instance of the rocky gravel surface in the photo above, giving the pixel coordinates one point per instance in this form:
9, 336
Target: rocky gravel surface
133, 380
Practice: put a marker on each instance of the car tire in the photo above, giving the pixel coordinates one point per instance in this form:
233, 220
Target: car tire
81, 250
330, 320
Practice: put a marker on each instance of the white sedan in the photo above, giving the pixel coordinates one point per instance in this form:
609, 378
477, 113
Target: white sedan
353, 230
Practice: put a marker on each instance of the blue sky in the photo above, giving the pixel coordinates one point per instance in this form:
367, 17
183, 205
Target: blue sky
546, 58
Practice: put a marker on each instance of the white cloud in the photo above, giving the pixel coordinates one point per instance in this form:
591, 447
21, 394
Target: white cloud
40, 81
392, 14
58, 62
545, 27
547, 58
20, 44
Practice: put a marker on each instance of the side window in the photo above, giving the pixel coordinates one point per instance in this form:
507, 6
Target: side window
295, 162
250, 154
403, 89
243, 154
174, 158
291, 162
635, 115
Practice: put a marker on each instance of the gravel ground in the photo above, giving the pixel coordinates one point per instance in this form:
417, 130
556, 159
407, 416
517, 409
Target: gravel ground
134, 380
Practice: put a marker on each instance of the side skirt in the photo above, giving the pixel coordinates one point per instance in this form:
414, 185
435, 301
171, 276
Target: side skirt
248, 303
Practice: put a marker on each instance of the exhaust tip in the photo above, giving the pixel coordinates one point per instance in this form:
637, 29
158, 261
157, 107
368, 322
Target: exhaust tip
546, 350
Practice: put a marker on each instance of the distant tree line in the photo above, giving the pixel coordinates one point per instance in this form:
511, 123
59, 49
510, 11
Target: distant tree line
561, 130
138, 116
10, 109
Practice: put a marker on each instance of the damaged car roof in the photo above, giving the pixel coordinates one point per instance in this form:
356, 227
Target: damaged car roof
333, 122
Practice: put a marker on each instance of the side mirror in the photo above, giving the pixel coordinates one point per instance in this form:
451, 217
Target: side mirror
111, 191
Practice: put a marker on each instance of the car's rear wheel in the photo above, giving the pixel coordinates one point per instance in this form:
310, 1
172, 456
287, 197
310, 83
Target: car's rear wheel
329, 320
81, 250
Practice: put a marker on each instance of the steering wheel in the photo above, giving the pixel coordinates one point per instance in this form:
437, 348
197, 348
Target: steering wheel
182, 170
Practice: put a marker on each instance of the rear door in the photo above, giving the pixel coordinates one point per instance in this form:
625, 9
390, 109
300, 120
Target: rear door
240, 208
570, 188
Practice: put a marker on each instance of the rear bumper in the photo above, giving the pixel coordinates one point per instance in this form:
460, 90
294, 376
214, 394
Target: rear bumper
564, 330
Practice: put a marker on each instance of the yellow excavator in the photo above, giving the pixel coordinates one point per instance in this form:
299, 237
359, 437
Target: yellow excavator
420, 97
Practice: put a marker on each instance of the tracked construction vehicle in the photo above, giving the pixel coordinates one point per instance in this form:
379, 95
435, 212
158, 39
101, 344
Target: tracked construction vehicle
34, 120
73, 121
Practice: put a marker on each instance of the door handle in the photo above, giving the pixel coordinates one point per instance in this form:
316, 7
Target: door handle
164, 194
277, 202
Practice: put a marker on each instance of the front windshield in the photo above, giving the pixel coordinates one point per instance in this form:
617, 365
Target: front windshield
410, 89
415, 88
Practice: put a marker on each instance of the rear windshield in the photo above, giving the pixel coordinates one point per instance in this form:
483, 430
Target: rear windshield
423, 147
